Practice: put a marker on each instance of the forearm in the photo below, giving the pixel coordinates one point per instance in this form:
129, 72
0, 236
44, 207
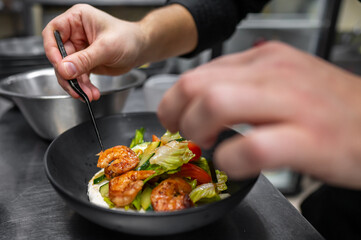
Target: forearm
168, 31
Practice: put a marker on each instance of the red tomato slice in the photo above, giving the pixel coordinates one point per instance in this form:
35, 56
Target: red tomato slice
194, 172
195, 150
155, 138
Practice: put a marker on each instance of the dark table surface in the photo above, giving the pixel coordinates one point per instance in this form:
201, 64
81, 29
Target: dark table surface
31, 209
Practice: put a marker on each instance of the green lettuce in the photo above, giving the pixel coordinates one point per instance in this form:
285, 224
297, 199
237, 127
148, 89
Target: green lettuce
204, 191
221, 181
172, 155
168, 136
138, 138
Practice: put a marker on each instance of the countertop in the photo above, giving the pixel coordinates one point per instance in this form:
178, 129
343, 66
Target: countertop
31, 209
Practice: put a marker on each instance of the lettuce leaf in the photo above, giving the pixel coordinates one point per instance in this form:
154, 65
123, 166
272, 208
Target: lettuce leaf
172, 155
221, 181
138, 138
168, 136
207, 190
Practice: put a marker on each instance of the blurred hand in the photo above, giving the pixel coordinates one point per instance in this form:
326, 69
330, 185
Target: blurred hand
306, 113
95, 42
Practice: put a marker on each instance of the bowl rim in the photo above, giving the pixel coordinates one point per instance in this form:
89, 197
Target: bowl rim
139, 76
250, 183
28, 40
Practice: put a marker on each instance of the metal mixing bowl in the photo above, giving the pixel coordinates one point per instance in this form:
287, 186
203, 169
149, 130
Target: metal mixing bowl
50, 110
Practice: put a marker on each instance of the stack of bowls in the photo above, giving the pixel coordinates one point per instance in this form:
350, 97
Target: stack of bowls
23, 54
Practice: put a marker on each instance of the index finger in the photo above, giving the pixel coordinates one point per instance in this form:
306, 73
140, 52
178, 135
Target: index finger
62, 25
50, 46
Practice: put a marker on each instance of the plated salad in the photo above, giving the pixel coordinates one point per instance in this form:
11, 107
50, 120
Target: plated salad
164, 174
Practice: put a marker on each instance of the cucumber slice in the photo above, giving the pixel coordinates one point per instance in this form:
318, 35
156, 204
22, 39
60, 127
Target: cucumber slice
136, 202
104, 190
148, 153
99, 179
141, 146
145, 198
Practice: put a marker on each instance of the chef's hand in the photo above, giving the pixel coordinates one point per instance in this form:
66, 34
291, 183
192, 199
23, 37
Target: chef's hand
306, 113
95, 42
99, 43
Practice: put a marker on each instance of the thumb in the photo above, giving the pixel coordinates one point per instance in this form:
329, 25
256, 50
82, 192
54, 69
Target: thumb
266, 148
81, 62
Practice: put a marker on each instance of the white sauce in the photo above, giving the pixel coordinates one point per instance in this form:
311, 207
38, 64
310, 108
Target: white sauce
93, 191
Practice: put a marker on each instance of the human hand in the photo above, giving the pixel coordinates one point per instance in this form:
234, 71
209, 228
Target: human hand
306, 113
95, 42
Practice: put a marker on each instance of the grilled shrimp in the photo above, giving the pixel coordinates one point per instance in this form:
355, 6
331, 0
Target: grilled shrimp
171, 194
117, 160
124, 188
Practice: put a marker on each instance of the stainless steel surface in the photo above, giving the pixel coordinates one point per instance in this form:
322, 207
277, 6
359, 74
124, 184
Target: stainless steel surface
5, 105
31, 209
23, 54
302, 24
22, 47
51, 111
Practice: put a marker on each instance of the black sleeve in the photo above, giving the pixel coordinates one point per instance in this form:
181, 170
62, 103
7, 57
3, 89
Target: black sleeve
216, 20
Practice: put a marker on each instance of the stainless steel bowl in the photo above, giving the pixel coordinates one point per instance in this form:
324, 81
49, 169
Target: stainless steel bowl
50, 110
22, 47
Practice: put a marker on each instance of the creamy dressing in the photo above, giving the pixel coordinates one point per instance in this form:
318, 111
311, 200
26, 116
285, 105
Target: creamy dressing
93, 191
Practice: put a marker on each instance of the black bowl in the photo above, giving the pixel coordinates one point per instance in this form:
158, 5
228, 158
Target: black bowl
70, 162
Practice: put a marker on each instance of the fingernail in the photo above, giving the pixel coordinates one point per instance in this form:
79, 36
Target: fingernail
70, 69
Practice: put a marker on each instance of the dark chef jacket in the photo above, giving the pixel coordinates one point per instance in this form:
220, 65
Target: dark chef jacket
334, 212
216, 20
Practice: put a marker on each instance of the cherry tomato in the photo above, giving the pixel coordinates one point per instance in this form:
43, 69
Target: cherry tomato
194, 172
195, 150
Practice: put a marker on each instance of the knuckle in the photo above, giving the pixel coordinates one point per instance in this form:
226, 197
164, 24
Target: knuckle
273, 47
186, 84
85, 61
213, 104
81, 6
276, 55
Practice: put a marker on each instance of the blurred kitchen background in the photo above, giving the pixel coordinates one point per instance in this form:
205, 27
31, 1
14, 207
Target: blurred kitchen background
330, 29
